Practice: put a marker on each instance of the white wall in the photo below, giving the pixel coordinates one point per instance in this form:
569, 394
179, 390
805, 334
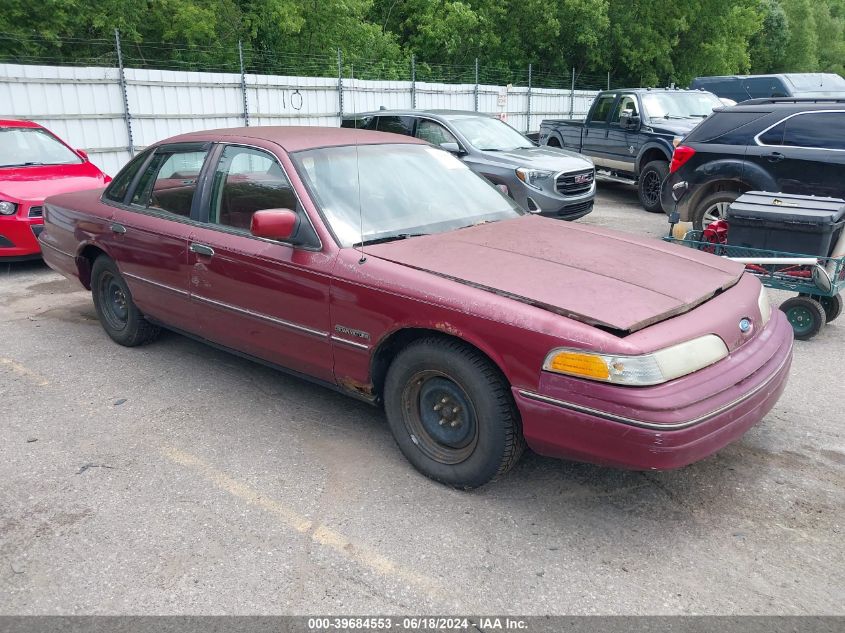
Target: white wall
85, 106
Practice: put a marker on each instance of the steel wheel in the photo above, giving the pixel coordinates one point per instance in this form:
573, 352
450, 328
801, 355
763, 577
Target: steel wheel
113, 300
440, 417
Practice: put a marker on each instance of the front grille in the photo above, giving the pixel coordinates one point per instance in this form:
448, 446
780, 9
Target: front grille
577, 208
36, 212
575, 183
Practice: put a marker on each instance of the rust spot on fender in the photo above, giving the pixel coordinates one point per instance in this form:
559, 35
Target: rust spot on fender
448, 328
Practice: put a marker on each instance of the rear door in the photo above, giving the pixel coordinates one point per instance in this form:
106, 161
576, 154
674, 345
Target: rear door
594, 140
263, 297
150, 228
804, 153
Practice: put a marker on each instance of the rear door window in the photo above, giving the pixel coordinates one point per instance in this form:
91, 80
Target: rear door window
169, 182
823, 130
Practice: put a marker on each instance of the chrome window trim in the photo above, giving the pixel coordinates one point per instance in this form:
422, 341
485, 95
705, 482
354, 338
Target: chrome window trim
795, 114
531, 395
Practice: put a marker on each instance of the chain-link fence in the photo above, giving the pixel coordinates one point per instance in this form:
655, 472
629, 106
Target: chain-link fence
112, 98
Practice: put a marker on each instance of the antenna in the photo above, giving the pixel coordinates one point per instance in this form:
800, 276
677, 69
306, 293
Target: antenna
363, 257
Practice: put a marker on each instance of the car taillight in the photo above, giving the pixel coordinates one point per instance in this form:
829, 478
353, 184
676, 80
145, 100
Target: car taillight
680, 156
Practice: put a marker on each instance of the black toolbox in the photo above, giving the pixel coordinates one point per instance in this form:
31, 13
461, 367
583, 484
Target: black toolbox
786, 222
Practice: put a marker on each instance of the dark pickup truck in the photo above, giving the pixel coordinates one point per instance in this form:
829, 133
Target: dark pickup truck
630, 134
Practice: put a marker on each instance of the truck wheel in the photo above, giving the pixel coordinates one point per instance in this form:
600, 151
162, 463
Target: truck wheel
651, 181
553, 142
118, 315
452, 413
805, 315
713, 207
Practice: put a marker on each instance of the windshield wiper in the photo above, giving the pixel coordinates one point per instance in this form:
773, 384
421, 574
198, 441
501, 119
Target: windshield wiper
28, 164
674, 116
389, 238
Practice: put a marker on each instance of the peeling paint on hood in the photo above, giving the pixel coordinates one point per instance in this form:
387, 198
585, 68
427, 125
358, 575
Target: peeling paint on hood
594, 275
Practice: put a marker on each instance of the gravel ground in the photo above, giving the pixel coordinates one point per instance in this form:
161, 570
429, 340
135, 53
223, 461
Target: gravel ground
176, 478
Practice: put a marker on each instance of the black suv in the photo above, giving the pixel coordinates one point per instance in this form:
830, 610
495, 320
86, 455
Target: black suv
777, 145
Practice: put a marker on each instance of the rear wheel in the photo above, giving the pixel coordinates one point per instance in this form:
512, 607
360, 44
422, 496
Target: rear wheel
650, 183
118, 315
451, 413
714, 207
805, 315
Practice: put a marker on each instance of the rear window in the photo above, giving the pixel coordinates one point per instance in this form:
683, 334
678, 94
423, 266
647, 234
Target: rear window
729, 128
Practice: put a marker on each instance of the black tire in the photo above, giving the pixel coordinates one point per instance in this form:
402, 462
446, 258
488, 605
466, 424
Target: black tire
452, 413
118, 315
805, 315
832, 306
553, 142
713, 207
650, 184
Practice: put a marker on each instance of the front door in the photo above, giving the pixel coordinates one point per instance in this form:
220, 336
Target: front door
262, 297
622, 141
594, 141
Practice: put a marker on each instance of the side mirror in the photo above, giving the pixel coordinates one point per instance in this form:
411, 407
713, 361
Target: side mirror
274, 224
453, 148
82, 153
628, 120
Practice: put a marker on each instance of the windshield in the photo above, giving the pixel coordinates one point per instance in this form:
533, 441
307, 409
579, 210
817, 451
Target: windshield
25, 147
486, 133
680, 105
401, 190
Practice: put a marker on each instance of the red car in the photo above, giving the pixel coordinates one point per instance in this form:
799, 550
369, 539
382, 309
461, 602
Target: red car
34, 164
383, 267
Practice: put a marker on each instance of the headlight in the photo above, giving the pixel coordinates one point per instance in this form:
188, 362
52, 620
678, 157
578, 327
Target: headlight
534, 177
765, 306
639, 371
8, 208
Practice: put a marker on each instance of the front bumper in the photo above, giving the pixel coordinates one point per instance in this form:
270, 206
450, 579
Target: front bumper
666, 426
19, 237
553, 205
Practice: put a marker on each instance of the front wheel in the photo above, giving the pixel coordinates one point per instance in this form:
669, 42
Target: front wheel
118, 314
805, 315
650, 184
451, 413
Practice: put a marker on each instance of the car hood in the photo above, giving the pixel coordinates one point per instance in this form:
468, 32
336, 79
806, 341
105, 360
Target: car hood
675, 127
594, 275
35, 183
548, 158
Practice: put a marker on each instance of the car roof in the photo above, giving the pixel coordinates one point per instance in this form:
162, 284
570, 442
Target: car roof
433, 113
295, 138
786, 106
18, 123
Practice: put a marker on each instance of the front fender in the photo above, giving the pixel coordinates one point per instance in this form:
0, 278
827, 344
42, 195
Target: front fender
664, 146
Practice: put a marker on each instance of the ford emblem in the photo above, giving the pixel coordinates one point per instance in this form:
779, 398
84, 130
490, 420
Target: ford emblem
745, 326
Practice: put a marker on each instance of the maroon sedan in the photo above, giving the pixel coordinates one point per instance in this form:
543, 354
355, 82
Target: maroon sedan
383, 267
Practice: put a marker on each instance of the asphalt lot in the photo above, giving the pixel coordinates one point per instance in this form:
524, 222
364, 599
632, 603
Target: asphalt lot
176, 478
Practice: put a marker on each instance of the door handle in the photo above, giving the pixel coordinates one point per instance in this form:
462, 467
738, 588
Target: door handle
775, 157
118, 228
201, 249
